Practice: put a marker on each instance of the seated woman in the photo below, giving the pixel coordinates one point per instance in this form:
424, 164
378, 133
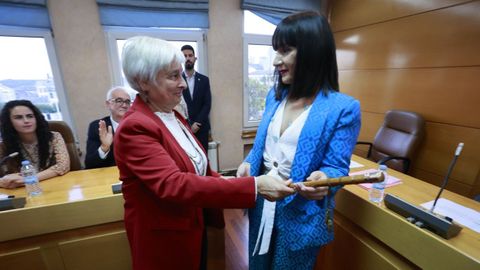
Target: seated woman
25, 130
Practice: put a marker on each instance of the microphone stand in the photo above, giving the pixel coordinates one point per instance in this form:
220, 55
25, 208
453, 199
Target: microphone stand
7, 157
449, 171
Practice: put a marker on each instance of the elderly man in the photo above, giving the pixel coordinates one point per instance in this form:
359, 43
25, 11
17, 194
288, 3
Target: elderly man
100, 132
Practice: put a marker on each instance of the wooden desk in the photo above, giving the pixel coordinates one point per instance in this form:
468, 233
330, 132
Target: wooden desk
370, 236
77, 223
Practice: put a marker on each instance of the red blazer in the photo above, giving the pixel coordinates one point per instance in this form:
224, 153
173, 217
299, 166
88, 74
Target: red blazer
164, 198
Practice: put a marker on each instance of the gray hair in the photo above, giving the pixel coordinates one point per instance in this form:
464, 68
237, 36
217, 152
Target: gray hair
143, 57
115, 88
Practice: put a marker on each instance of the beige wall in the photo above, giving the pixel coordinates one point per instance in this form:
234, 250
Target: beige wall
421, 56
225, 62
82, 55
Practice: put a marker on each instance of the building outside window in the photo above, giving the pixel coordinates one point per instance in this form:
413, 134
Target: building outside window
28, 70
258, 67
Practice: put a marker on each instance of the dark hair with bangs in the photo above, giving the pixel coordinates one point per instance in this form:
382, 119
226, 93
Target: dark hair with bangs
316, 63
12, 142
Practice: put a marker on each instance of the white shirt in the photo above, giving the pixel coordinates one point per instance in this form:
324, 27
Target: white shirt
191, 83
103, 155
186, 141
277, 159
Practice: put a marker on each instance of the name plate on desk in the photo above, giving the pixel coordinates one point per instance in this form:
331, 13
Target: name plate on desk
12, 203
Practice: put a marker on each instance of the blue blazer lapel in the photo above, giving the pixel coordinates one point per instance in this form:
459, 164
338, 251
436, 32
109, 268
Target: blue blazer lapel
308, 155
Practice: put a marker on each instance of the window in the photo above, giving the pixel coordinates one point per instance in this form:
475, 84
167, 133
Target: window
257, 68
116, 37
29, 70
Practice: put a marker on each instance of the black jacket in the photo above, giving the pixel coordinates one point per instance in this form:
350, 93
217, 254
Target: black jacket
92, 158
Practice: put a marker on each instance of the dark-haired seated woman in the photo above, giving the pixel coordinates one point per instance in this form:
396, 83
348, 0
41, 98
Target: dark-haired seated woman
25, 130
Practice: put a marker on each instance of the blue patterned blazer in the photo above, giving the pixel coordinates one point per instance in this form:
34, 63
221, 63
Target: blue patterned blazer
326, 143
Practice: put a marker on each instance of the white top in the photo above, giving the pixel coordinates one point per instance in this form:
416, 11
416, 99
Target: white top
182, 107
190, 83
186, 141
277, 159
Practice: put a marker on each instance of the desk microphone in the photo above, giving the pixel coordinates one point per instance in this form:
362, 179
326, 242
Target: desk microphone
450, 169
7, 157
422, 218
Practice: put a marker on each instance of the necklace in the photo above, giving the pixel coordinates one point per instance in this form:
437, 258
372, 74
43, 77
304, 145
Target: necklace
196, 157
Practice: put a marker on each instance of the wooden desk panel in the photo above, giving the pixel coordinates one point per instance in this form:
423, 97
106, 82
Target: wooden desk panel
75, 218
382, 237
74, 200
76, 224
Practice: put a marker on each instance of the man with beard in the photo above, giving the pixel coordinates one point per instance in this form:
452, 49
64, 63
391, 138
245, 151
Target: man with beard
100, 132
197, 96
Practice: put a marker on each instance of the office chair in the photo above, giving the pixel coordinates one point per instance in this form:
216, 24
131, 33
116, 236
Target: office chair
67, 134
397, 140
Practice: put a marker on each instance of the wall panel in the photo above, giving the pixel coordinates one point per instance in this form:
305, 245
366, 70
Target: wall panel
444, 95
439, 146
420, 56
445, 37
383, 10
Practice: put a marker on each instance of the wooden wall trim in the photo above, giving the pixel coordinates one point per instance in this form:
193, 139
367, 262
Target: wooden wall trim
419, 56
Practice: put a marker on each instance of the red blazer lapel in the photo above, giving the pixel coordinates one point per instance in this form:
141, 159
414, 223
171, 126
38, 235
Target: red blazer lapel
141, 107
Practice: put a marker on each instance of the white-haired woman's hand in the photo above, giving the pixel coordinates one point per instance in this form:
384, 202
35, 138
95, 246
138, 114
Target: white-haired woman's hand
272, 188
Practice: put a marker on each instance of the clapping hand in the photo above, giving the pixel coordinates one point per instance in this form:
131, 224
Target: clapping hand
106, 136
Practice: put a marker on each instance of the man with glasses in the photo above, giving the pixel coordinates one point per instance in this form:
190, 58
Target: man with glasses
100, 132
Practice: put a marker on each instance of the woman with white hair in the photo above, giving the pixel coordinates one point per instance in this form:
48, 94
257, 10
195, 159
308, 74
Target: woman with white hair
169, 189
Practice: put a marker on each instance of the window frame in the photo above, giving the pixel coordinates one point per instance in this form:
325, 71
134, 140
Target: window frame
46, 34
251, 39
113, 33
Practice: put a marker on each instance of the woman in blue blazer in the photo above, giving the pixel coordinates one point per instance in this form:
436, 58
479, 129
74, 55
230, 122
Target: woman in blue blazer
308, 131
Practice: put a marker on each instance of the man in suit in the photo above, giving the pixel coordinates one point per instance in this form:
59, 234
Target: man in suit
197, 96
100, 132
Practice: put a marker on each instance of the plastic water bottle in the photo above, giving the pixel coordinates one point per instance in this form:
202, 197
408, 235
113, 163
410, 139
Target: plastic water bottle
377, 191
30, 179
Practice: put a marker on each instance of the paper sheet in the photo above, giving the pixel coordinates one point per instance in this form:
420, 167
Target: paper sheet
354, 164
3, 196
459, 213
390, 181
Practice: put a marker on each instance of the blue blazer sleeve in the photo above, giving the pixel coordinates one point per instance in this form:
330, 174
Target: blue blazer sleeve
338, 152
